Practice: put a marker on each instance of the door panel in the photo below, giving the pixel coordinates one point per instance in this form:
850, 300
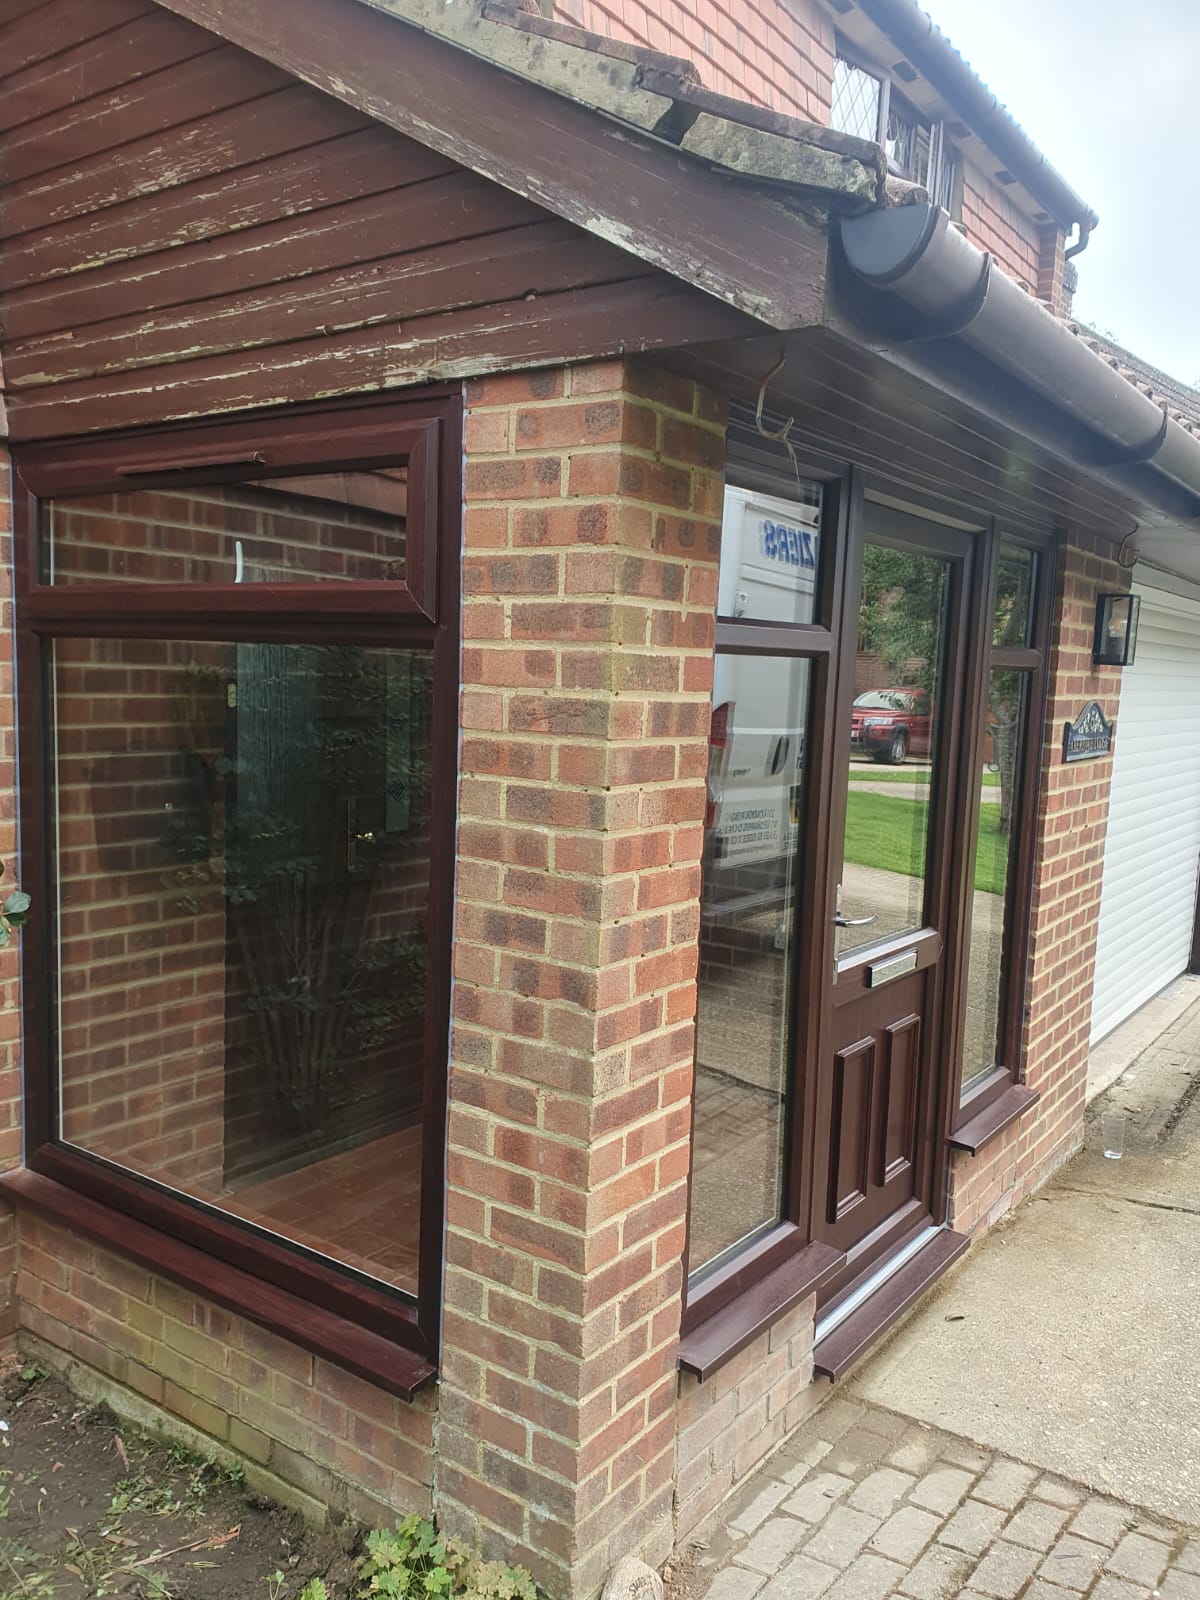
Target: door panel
894, 790
875, 1130
898, 1109
853, 1093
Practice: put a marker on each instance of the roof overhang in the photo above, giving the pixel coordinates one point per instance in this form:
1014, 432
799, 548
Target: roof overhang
919, 293
623, 143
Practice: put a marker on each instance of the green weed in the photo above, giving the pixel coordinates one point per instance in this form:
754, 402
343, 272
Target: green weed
414, 1562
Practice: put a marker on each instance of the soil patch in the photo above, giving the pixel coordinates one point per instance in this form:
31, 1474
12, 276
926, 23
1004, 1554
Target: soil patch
89, 1507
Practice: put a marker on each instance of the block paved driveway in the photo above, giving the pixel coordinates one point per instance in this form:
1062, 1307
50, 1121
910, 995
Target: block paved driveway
863, 1504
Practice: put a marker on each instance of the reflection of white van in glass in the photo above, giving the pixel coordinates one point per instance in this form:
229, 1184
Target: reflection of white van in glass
760, 704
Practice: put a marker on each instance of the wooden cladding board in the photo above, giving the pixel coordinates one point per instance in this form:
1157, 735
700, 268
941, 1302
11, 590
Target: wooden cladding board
185, 229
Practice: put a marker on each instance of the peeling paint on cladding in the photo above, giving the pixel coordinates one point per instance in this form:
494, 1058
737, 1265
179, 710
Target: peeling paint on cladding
732, 291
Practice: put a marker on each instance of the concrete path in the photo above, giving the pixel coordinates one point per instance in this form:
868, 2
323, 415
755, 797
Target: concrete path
1033, 1433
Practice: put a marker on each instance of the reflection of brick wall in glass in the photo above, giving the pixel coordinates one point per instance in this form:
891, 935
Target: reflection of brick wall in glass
243, 928
346, 526
141, 911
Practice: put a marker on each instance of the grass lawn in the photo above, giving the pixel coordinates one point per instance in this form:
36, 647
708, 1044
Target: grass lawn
873, 774
887, 833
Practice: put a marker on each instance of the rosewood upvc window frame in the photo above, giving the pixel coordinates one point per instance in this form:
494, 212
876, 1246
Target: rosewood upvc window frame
1000, 1096
748, 1290
382, 1335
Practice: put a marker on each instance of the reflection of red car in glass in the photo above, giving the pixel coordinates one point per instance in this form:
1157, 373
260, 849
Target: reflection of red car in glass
891, 724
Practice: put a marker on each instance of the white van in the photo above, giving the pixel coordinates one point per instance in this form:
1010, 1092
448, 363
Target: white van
768, 573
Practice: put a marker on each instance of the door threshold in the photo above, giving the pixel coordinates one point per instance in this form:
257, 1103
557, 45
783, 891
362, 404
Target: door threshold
849, 1332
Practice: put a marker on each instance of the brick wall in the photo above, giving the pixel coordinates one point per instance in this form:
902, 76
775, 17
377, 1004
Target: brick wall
594, 501
773, 54
1052, 268
141, 931
733, 1421
991, 221
1071, 823
320, 1430
593, 507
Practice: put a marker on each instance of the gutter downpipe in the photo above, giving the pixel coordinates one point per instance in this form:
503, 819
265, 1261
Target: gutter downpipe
915, 252
935, 58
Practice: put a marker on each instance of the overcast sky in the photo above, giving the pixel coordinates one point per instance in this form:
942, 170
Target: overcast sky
1110, 92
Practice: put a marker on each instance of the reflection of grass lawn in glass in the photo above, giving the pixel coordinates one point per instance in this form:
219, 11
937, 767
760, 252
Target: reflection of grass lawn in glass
887, 833
988, 780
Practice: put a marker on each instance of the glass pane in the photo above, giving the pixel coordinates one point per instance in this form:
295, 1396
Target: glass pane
242, 880
898, 142
943, 189
1014, 595
755, 825
855, 106
770, 548
921, 153
994, 855
336, 526
894, 745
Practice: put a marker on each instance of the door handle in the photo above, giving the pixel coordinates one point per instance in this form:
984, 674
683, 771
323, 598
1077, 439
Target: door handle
855, 922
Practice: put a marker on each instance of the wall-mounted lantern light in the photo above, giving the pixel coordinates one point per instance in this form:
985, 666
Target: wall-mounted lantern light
1115, 642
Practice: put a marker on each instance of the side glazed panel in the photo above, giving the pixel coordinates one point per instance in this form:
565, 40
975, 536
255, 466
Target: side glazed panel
188, 230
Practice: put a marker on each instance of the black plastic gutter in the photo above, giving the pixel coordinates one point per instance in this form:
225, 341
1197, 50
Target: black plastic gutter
915, 252
936, 59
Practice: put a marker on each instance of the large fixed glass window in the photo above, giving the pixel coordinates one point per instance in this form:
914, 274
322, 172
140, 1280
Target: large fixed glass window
754, 871
747, 950
238, 636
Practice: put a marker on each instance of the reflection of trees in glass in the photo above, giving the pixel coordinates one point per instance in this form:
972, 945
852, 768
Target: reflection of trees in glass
900, 614
1005, 705
901, 619
1010, 628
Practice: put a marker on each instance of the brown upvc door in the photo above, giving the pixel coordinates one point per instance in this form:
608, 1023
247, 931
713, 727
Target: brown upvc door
879, 1169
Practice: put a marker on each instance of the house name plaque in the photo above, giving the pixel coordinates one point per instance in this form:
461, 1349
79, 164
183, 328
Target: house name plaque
1089, 736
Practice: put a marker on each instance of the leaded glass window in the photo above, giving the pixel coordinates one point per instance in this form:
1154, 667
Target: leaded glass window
856, 101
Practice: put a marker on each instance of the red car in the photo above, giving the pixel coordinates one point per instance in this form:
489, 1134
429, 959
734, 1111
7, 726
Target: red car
892, 724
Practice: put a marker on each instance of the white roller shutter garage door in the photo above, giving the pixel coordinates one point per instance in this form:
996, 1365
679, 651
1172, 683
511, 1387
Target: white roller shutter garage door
1152, 852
